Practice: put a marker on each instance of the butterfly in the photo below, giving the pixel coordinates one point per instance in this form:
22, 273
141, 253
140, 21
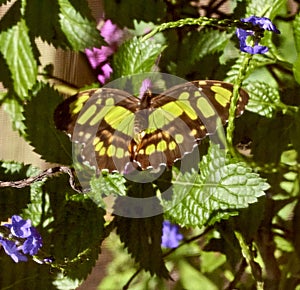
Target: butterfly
115, 128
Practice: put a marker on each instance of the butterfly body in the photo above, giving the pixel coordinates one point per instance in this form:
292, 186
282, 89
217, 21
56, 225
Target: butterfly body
116, 128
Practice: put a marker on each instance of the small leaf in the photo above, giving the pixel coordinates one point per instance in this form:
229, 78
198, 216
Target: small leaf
296, 27
223, 186
264, 99
52, 144
135, 57
16, 49
296, 69
14, 108
191, 278
80, 31
106, 185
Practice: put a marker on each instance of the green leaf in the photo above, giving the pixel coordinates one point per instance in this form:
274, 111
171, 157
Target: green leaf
267, 132
223, 186
296, 28
16, 49
142, 238
296, 69
52, 144
294, 132
14, 108
80, 31
13, 200
106, 185
124, 12
12, 16
210, 261
63, 282
207, 42
135, 56
47, 27
266, 8
264, 99
257, 61
74, 237
191, 278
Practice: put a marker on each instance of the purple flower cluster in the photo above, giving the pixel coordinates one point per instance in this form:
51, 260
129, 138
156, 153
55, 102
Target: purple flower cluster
242, 34
171, 236
99, 57
23, 239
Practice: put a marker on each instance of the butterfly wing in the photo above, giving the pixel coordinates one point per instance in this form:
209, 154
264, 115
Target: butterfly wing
182, 116
102, 122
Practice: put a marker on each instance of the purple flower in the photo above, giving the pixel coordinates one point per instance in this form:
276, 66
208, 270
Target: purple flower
106, 72
33, 243
23, 237
12, 250
99, 57
171, 235
19, 228
242, 34
263, 22
112, 34
146, 85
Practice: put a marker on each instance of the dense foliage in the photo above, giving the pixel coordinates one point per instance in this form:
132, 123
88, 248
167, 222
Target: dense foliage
238, 210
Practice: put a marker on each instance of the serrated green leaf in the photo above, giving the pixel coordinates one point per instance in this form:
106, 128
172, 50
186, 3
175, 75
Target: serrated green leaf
47, 27
257, 61
16, 49
266, 8
222, 187
11, 17
5, 78
15, 110
264, 99
77, 230
208, 42
77, 233
142, 238
105, 185
134, 57
80, 31
52, 144
296, 27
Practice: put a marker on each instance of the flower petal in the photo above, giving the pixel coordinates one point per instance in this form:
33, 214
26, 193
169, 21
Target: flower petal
171, 235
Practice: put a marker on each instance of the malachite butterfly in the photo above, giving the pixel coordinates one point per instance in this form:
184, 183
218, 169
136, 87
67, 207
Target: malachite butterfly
116, 128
